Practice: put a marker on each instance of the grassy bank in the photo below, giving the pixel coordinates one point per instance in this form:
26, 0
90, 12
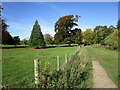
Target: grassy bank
108, 59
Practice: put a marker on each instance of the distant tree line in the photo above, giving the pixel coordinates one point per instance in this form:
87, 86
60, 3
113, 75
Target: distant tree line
65, 33
98, 34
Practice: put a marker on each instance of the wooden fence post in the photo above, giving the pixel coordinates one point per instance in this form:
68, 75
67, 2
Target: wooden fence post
66, 58
58, 63
36, 72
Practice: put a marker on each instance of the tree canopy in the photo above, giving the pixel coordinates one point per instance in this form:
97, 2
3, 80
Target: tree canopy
101, 32
112, 39
48, 39
88, 36
5, 36
63, 29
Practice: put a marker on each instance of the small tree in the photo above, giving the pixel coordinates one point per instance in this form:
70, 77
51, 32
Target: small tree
36, 39
16, 40
48, 38
25, 41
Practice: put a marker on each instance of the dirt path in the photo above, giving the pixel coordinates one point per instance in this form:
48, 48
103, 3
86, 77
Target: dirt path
100, 77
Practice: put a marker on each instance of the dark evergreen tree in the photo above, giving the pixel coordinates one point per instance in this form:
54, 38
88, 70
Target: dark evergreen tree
5, 37
36, 38
118, 24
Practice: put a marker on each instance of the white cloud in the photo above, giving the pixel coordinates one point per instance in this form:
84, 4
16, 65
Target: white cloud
47, 30
46, 27
20, 26
19, 29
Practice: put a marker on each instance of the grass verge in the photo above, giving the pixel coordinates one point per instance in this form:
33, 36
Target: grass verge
108, 59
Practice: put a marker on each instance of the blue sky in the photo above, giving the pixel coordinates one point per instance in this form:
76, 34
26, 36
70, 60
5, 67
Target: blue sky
21, 16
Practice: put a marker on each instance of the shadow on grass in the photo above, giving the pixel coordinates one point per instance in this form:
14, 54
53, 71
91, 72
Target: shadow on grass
13, 47
54, 46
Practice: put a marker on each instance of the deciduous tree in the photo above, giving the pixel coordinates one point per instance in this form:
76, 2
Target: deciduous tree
25, 41
76, 36
16, 40
101, 32
63, 28
48, 38
88, 36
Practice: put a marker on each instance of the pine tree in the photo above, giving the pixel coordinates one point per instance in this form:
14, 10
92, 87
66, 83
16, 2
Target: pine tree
36, 38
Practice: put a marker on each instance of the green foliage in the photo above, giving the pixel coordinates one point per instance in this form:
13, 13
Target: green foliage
88, 37
118, 24
112, 40
24, 41
76, 36
63, 28
68, 40
48, 39
73, 75
16, 40
36, 38
98, 35
101, 32
6, 37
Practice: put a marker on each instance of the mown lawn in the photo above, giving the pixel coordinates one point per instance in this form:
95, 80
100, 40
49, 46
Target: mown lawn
107, 58
17, 63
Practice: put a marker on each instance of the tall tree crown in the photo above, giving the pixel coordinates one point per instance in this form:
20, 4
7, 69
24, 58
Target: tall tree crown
63, 28
36, 38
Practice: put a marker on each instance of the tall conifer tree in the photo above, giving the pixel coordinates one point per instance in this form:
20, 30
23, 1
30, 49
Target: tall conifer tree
36, 38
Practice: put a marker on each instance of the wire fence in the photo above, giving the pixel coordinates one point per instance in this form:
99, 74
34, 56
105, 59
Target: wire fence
73, 53
59, 66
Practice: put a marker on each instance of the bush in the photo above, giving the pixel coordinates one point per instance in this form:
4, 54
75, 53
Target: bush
112, 40
72, 75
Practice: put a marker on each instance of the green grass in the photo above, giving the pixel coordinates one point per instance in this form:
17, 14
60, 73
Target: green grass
108, 60
84, 54
17, 63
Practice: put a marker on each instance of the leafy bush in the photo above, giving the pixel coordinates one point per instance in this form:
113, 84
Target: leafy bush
72, 75
112, 40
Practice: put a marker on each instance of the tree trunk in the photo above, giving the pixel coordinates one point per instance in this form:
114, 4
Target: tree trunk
69, 44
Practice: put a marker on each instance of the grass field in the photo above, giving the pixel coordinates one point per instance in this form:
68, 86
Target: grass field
107, 58
17, 63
